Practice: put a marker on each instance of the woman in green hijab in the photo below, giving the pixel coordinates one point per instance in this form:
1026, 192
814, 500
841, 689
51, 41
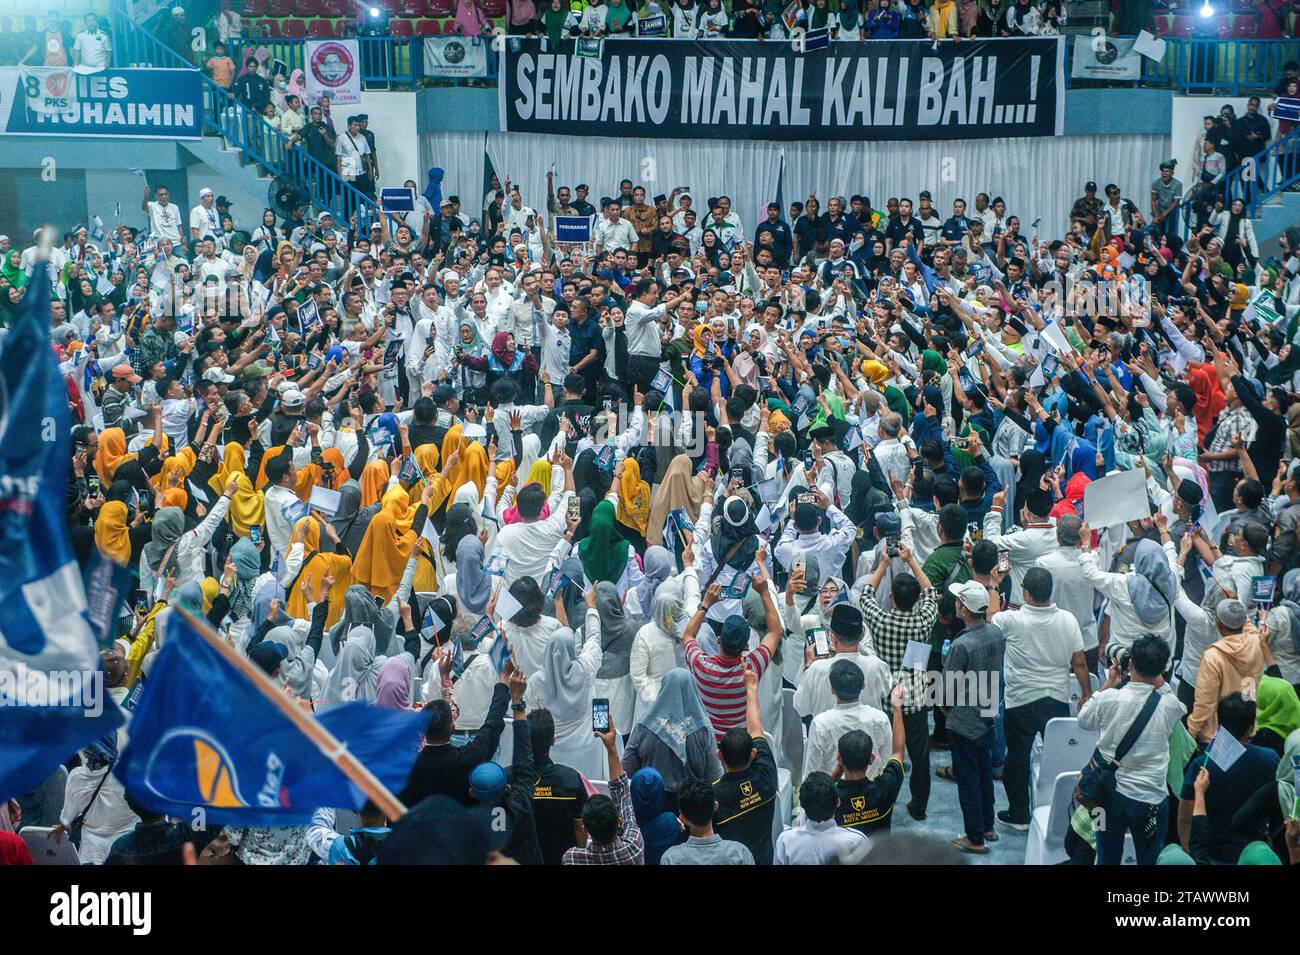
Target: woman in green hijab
1278, 713
897, 402
604, 551
553, 19
10, 270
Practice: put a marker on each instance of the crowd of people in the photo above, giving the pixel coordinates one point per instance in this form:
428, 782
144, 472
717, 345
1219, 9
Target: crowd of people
630, 492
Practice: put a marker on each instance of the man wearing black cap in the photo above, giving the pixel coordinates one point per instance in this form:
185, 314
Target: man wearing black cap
1087, 208
1166, 194
1025, 545
815, 691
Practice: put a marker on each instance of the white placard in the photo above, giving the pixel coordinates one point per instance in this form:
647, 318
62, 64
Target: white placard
1116, 499
325, 500
916, 656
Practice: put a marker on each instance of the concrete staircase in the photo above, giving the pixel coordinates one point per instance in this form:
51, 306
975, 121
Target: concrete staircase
1275, 215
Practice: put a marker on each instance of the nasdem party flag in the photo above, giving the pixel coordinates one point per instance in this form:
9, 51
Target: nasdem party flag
52, 694
205, 737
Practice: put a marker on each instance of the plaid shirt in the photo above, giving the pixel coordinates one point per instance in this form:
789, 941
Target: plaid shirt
1238, 421
892, 629
628, 847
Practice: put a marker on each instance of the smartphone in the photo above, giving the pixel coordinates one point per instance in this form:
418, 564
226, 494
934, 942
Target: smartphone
735, 473
142, 604
799, 563
428, 341
255, 533
1004, 561
575, 508
818, 641
807, 459
92, 483
600, 715
891, 545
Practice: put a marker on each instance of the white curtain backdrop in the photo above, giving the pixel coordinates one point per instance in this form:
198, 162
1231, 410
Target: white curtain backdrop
1036, 177
461, 157
748, 172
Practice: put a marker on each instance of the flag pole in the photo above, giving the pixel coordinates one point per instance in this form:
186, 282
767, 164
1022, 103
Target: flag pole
322, 738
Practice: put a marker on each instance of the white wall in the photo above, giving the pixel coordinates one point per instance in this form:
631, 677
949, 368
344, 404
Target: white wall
392, 120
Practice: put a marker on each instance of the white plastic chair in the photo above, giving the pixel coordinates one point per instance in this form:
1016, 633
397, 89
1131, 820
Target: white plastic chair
1065, 748
784, 801
505, 753
1093, 683
793, 734
1046, 841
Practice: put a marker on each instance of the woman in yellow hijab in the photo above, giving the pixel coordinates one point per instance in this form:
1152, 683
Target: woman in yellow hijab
374, 481
701, 347
339, 472
426, 456
875, 372
386, 547
175, 497
111, 453
472, 468
112, 536
633, 498
505, 470
307, 477
247, 507
175, 470
540, 473
316, 569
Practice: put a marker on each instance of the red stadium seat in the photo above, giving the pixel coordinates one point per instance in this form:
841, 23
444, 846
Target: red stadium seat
265, 27
307, 8
255, 8
1245, 28
401, 28
411, 8
494, 8
336, 8
1163, 26
440, 9
320, 28
293, 29
1183, 26
280, 8
427, 27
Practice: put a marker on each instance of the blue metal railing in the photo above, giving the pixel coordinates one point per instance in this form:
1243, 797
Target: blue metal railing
385, 61
257, 141
1229, 67
1254, 182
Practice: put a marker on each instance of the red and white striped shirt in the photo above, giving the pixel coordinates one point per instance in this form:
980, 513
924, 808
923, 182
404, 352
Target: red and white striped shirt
721, 682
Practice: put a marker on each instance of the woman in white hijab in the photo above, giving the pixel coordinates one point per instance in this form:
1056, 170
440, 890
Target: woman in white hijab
655, 647
565, 686
356, 672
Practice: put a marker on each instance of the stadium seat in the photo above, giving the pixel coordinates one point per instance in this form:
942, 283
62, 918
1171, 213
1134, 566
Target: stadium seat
411, 8
1066, 748
401, 28
1182, 26
255, 8
784, 801
266, 27
280, 8
1245, 28
427, 27
320, 28
336, 8
307, 8
293, 29
792, 733
440, 9
1164, 26
1045, 844
494, 8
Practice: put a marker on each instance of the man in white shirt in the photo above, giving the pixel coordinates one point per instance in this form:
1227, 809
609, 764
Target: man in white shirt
613, 231
642, 328
1070, 589
892, 452
203, 217
1043, 644
846, 683
818, 841
1139, 804
1025, 545
164, 215
815, 694
529, 541
351, 150
92, 47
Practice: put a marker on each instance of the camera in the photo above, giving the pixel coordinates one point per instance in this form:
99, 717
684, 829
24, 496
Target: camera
1121, 658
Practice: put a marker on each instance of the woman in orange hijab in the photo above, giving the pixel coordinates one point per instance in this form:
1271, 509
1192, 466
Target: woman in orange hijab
175, 497
175, 470
426, 457
386, 547
112, 536
338, 471
111, 453
318, 566
374, 481
472, 468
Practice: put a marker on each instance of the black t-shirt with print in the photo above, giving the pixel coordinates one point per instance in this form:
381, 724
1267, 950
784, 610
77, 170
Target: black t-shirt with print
558, 798
867, 805
746, 803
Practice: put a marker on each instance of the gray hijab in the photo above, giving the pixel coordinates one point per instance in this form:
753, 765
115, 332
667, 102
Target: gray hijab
562, 685
473, 585
677, 713
296, 668
658, 566
572, 595
167, 528
616, 633
1151, 585
668, 611
359, 610
356, 672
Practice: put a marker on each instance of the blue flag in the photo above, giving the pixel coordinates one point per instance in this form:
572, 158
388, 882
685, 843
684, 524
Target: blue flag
204, 736
52, 695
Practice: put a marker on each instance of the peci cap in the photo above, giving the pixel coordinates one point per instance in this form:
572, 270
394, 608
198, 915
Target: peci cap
1231, 613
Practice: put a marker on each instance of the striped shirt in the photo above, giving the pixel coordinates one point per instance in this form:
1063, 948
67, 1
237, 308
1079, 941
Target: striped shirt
721, 682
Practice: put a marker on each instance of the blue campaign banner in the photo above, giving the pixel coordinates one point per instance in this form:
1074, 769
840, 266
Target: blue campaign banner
138, 104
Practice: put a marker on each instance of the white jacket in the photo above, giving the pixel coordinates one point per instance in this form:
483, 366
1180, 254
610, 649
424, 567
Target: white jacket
1245, 231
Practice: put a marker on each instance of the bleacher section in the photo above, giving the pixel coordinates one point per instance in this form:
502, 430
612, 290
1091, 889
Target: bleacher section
294, 19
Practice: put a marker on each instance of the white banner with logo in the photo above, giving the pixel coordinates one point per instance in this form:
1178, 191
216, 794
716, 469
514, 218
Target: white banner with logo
455, 56
334, 70
1105, 58
49, 92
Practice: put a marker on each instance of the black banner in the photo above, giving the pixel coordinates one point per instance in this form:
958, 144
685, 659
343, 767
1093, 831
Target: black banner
746, 89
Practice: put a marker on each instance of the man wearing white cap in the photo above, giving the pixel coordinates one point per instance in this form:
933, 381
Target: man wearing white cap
203, 217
